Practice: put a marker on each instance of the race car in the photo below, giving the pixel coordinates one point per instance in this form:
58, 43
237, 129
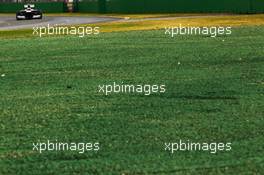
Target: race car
29, 13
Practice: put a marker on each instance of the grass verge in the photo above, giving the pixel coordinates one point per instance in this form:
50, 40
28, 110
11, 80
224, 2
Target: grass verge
214, 95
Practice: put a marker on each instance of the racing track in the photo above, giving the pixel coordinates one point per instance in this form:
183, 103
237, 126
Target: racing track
10, 22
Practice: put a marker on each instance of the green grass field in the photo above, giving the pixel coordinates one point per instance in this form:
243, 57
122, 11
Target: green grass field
215, 94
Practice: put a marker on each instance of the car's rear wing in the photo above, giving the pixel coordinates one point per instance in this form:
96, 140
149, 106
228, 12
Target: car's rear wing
29, 6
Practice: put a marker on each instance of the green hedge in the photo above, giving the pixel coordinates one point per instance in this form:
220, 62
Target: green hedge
257, 6
148, 6
10, 7
185, 6
49, 7
91, 6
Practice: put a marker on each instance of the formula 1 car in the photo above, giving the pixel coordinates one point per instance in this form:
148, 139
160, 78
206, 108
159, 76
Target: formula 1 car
29, 13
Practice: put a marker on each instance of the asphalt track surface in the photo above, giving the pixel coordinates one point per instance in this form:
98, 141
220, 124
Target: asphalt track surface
10, 22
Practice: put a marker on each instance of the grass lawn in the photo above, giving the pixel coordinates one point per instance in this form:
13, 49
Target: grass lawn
50, 92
